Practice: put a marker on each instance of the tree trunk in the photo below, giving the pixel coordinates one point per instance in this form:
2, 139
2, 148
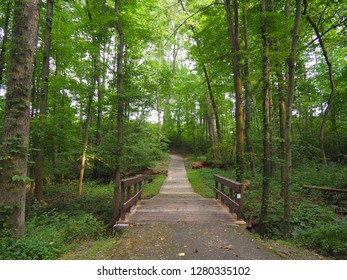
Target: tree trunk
120, 112
282, 120
167, 112
233, 30
282, 106
85, 144
248, 93
266, 120
4, 40
55, 112
40, 159
213, 104
288, 124
332, 91
15, 139
210, 123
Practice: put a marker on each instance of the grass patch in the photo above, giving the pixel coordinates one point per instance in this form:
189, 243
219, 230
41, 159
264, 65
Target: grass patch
199, 180
152, 189
92, 250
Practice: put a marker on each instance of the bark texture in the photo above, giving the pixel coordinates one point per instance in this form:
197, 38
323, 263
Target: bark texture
13, 177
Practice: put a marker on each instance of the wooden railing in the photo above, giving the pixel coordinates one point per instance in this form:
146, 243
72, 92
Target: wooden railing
234, 196
131, 190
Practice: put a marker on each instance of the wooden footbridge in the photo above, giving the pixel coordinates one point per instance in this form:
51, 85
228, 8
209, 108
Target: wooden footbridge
177, 203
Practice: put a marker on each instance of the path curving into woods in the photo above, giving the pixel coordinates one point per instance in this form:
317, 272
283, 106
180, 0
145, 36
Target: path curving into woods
180, 224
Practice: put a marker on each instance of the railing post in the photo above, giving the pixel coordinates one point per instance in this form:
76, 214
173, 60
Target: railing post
128, 195
216, 185
239, 202
222, 190
135, 191
122, 200
140, 188
231, 197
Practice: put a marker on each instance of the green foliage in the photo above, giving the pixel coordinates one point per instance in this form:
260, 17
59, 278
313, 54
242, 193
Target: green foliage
328, 240
63, 223
313, 221
221, 154
141, 148
49, 234
307, 216
5, 213
27, 249
23, 179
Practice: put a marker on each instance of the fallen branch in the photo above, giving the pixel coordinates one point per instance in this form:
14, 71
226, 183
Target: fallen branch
323, 188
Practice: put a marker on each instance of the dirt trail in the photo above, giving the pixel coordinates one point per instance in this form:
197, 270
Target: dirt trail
179, 224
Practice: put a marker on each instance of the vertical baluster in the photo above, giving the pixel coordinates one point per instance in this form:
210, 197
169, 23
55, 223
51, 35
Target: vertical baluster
216, 185
231, 210
239, 202
122, 200
128, 195
222, 190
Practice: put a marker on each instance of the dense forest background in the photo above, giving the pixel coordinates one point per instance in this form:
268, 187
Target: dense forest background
258, 87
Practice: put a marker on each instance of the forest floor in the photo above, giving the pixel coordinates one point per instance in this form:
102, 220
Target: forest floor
185, 239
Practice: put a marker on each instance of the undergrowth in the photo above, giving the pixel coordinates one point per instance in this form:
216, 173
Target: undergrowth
314, 222
60, 224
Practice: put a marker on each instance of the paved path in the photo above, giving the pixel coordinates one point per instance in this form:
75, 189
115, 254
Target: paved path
177, 203
179, 224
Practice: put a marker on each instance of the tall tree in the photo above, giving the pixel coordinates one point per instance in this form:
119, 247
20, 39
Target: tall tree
248, 93
40, 160
332, 84
15, 140
291, 61
120, 111
265, 8
282, 99
233, 31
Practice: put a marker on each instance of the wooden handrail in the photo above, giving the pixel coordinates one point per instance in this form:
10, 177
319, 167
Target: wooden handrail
234, 196
129, 198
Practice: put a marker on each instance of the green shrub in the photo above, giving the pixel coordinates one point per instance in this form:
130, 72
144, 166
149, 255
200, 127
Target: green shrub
328, 239
306, 216
221, 154
50, 234
28, 248
82, 227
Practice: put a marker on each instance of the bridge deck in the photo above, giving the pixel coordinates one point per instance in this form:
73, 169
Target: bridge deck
177, 203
